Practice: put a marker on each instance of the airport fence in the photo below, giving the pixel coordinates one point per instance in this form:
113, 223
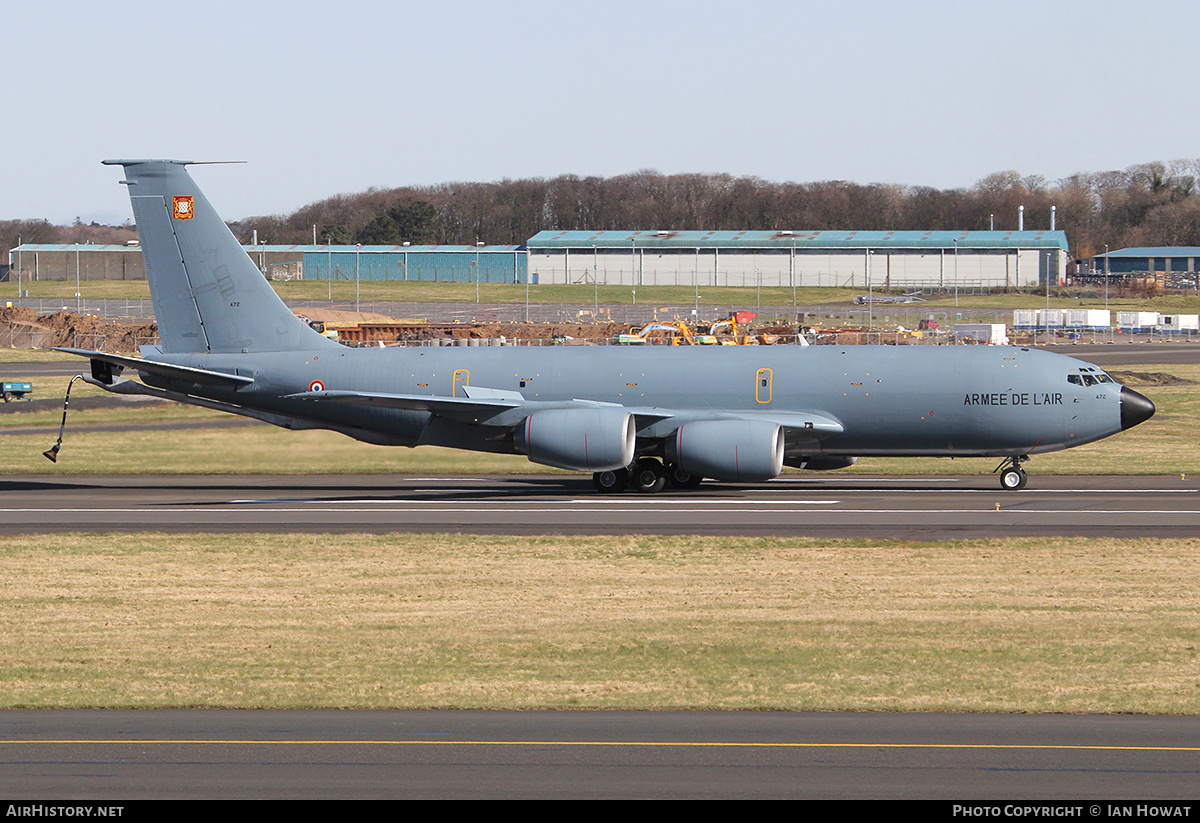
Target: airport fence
21, 337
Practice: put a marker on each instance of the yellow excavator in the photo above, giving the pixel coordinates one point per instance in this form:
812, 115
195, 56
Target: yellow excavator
679, 331
732, 331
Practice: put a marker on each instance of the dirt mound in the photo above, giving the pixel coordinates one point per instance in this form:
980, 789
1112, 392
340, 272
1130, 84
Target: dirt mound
87, 332
545, 331
18, 314
25, 328
341, 317
20, 329
1154, 378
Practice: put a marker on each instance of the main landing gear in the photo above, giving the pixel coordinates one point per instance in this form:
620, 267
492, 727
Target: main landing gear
1012, 476
647, 475
611, 481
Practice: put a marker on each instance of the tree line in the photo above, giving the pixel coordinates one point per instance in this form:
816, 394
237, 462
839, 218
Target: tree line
1150, 204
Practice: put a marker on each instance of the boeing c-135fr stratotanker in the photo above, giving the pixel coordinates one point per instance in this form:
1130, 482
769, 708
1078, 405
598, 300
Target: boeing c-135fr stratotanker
633, 417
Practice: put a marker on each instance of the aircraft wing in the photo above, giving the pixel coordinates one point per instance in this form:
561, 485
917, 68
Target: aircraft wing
814, 424
490, 407
455, 407
798, 425
498, 407
103, 369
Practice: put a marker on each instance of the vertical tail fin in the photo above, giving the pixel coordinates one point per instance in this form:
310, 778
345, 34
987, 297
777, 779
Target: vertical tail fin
208, 295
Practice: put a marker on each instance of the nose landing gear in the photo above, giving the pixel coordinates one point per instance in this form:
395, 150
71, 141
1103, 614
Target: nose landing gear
1012, 476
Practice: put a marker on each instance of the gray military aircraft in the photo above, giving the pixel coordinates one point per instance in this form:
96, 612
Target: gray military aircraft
637, 418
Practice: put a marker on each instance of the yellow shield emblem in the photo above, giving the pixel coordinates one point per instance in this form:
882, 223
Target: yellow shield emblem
183, 207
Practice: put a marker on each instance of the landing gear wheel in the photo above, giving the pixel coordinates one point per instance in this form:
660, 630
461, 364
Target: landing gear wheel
612, 481
1013, 479
679, 479
649, 476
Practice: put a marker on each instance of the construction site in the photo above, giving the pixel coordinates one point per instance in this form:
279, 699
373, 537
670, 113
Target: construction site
22, 327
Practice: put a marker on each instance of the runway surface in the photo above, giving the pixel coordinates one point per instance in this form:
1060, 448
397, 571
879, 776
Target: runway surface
925, 508
126, 755
1129, 354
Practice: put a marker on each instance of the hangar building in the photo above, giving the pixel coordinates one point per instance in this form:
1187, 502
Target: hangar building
1149, 259
909, 260
885, 259
462, 264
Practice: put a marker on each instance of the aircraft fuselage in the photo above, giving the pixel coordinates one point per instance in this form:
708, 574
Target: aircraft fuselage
890, 400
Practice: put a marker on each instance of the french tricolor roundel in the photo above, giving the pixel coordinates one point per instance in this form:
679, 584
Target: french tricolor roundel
316, 385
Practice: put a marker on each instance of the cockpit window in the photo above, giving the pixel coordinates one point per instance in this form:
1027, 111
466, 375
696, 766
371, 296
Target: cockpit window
1089, 378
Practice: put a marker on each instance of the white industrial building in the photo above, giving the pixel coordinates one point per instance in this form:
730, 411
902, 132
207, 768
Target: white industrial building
908, 260
1078, 319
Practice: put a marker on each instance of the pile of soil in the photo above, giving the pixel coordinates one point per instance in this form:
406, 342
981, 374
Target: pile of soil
340, 317
18, 314
540, 331
25, 328
22, 328
1153, 378
88, 332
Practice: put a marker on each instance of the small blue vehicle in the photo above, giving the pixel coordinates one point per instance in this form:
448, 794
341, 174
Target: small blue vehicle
15, 391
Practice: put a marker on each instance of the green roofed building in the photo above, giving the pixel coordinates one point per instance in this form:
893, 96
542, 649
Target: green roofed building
440, 264
910, 260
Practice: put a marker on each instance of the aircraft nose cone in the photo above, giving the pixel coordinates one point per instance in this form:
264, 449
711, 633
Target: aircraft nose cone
1135, 408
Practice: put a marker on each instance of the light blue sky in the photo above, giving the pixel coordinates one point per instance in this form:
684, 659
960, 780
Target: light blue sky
323, 98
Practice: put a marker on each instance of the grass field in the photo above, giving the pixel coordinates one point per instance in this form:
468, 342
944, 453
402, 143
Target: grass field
399, 291
417, 621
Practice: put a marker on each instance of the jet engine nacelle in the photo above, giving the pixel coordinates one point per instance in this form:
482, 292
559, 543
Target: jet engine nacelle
740, 450
585, 440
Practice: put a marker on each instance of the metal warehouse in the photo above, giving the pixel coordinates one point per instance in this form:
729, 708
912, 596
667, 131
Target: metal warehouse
1176, 259
854, 259
439, 264
58, 261
448, 264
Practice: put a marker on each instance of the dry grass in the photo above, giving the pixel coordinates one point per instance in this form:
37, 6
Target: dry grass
606, 622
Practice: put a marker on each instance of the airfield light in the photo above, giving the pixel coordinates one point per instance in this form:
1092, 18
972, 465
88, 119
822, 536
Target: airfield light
1107, 271
870, 298
955, 272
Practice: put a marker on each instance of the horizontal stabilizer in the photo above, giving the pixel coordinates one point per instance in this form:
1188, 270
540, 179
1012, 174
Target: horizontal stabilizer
186, 373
